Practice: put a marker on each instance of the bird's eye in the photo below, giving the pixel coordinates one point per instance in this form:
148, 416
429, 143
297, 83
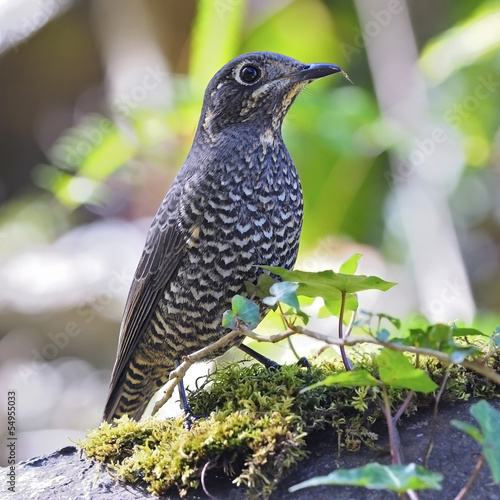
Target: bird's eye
249, 74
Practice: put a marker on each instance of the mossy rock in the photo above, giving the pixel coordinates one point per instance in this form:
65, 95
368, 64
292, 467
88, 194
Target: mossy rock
256, 426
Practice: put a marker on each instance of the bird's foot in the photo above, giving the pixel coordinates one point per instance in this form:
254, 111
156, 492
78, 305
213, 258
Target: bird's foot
190, 417
304, 363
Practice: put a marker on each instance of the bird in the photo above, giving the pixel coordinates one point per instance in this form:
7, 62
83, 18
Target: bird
236, 204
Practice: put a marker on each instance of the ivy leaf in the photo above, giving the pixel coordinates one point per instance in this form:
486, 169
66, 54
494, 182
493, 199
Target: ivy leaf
346, 379
395, 321
440, 337
243, 310
495, 338
399, 478
383, 335
440, 333
467, 332
283, 292
330, 286
396, 371
461, 352
261, 290
323, 283
350, 266
487, 436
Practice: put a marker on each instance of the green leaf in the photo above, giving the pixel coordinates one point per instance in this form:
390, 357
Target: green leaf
262, 289
489, 422
333, 305
461, 352
346, 379
324, 282
350, 266
229, 320
495, 338
324, 312
383, 335
440, 333
243, 310
283, 292
467, 332
396, 371
395, 321
399, 478
330, 285
469, 429
440, 338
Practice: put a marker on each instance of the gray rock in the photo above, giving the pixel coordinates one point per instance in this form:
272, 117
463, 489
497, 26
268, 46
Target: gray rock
65, 475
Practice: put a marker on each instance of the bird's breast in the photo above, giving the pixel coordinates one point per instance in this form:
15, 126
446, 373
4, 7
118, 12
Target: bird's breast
246, 213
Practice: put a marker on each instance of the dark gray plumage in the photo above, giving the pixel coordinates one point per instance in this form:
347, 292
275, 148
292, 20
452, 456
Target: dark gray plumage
235, 204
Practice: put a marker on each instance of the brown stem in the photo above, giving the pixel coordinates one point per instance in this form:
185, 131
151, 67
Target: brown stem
178, 374
403, 407
343, 354
484, 370
466, 489
394, 440
430, 444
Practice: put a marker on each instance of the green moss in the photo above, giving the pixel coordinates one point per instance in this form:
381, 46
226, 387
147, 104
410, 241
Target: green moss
257, 426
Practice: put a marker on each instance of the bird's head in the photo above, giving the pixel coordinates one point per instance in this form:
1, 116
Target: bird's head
255, 90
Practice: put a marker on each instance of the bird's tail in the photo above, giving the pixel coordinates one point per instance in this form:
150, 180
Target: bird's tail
131, 395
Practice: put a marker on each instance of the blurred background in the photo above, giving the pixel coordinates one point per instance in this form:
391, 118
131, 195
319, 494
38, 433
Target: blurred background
99, 101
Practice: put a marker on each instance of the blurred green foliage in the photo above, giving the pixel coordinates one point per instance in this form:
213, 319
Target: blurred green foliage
334, 131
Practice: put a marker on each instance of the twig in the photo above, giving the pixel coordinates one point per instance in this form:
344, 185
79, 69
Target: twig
343, 354
351, 324
403, 407
178, 374
430, 444
394, 441
484, 370
181, 370
466, 489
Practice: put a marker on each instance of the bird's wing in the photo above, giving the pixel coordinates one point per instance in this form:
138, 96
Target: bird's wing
161, 256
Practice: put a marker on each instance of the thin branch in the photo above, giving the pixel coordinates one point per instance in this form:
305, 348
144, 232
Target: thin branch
403, 407
343, 354
178, 374
394, 441
484, 370
341, 314
351, 324
430, 444
466, 489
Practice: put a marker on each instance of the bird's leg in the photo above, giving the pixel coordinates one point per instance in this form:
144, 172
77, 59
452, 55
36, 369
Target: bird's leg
269, 363
190, 417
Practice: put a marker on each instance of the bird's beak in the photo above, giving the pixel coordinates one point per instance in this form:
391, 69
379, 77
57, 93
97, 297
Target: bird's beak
314, 71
